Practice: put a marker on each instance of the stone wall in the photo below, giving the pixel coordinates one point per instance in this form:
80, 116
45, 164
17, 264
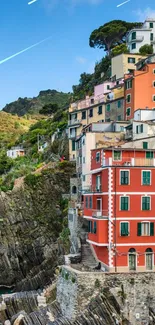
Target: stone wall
75, 289
135, 292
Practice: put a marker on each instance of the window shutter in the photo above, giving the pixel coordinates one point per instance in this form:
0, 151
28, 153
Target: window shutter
95, 227
139, 229
126, 228
136, 128
151, 228
89, 226
141, 128
122, 229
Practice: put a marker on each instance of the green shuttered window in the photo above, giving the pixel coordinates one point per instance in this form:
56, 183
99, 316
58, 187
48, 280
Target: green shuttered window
145, 203
124, 203
145, 229
124, 177
146, 177
124, 228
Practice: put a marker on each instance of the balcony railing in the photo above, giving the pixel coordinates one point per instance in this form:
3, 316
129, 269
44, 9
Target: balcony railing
92, 189
99, 214
138, 39
74, 122
128, 162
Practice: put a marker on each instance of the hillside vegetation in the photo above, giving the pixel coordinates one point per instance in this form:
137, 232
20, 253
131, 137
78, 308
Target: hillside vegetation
33, 105
11, 127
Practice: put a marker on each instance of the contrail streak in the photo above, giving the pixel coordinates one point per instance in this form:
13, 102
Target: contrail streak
30, 2
123, 3
28, 48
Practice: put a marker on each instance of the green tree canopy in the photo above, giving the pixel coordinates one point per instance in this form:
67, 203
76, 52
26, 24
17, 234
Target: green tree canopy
49, 109
146, 49
111, 34
119, 49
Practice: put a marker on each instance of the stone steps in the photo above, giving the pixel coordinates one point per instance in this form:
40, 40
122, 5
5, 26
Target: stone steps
87, 256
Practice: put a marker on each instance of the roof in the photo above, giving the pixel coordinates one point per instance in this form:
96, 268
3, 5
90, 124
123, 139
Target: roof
123, 149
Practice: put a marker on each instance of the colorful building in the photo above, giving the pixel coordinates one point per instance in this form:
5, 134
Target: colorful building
15, 152
123, 63
119, 208
140, 36
140, 87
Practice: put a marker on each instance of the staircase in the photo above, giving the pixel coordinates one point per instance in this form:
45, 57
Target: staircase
87, 257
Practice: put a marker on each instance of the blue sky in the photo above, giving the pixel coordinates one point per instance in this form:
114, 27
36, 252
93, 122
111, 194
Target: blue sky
58, 62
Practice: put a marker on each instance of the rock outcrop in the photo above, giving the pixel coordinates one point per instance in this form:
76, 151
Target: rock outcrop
30, 222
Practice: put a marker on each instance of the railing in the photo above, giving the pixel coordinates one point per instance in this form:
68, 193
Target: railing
138, 39
128, 162
100, 214
72, 122
92, 189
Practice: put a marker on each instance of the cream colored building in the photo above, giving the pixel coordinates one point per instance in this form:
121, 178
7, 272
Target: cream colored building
124, 63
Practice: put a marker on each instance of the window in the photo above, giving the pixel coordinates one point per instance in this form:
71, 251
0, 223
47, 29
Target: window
91, 112
154, 84
145, 145
122, 128
95, 227
145, 203
129, 84
139, 128
124, 203
108, 108
133, 35
87, 202
153, 98
97, 157
100, 110
90, 226
108, 87
90, 203
128, 111
119, 104
124, 177
83, 178
119, 117
84, 160
151, 37
128, 98
154, 71
124, 229
145, 228
116, 155
151, 25
92, 100
149, 154
146, 177
98, 183
73, 145
131, 60
107, 119
83, 115
133, 46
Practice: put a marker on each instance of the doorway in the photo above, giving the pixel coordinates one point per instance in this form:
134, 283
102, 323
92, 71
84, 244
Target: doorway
149, 259
132, 259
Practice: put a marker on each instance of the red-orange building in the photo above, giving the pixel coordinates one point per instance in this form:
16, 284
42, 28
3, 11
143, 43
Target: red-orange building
120, 208
140, 87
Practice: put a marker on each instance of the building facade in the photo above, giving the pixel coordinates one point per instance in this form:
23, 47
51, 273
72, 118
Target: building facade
140, 36
119, 208
140, 88
15, 152
124, 63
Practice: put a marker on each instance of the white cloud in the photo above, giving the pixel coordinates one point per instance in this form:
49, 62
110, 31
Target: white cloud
81, 59
146, 13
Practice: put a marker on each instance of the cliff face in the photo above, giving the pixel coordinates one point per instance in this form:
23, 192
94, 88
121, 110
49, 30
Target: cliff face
30, 222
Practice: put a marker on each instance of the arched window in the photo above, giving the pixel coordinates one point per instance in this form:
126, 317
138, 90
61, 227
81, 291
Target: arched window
74, 190
132, 259
149, 259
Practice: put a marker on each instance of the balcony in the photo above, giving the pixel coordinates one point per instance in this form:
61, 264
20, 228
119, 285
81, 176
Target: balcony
92, 189
74, 122
128, 135
136, 39
100, 214
129, 162
153, 40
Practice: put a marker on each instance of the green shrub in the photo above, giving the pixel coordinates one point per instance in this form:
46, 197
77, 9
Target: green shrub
73, 280
31, 179
97, 283
66, 276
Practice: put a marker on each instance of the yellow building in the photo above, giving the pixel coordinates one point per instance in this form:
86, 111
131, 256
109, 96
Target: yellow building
80, 114
124, 63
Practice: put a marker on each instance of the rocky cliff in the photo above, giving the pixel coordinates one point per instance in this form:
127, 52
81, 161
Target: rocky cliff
31, 220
